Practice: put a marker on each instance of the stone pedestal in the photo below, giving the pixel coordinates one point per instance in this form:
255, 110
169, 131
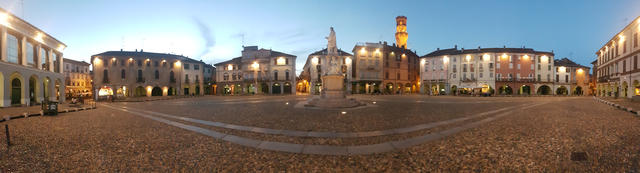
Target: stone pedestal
333, 95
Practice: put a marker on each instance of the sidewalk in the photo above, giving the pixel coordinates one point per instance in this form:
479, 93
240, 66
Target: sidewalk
153, 98
11, 112
624, 102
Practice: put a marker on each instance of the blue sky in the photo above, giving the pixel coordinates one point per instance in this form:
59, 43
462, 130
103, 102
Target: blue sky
215, 31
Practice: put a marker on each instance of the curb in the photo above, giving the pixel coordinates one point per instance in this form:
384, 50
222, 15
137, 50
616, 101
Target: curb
6, 118
617, 106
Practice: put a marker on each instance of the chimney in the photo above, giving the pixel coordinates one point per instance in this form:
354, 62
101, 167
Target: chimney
120, 50
456, 46
385, 42
136, 50
438, 49
478, 47
394, 44
504, 46
141, 50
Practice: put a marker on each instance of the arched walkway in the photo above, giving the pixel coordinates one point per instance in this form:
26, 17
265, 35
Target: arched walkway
56, 89
544, 90
561, 90
139, 92
287, 88
505, 90
46, 91
454, 90
171, 91
16, 91
275, 89
525, 90
156, 91
578, 91
33, 90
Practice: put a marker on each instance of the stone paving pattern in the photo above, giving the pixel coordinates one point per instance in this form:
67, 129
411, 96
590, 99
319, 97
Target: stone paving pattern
540, 139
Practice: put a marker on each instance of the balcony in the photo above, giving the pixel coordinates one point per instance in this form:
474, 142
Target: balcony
140, 80
469, 79
172, 80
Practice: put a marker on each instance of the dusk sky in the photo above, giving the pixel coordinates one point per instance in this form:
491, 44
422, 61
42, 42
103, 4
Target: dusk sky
215, 31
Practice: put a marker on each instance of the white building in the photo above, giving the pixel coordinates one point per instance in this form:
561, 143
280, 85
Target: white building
313, 67
257, 71
30, 63
617, 70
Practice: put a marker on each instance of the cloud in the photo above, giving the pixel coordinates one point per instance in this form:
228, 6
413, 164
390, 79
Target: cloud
207, 35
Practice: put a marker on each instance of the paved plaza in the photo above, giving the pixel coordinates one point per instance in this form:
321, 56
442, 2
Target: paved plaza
277, 133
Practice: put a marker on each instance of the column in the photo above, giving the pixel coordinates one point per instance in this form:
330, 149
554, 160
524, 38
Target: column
3, 44
50, 57
38, 60
5, 101
23, 50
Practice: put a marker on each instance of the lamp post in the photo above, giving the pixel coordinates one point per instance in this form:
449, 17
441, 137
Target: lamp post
255, 66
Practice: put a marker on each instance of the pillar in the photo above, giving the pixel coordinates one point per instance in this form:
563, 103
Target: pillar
23, 50
6, 100
3, 44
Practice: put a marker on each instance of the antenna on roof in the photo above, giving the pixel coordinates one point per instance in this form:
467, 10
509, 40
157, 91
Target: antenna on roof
22, 7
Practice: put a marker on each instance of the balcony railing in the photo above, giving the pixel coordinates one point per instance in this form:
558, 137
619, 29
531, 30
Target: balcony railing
172, 80
140, 80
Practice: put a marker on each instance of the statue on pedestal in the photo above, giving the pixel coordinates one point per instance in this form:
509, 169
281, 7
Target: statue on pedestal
334, 63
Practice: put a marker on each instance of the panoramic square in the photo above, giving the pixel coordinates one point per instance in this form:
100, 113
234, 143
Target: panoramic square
319, 86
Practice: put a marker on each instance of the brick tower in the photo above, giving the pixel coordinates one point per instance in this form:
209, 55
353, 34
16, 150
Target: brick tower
401, 31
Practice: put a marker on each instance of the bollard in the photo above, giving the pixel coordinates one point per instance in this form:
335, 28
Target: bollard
6, 127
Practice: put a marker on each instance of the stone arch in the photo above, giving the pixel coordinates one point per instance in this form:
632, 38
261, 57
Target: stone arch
57, 87
171, 91
543, 90
454, 90
275, 88
578, 91
156, 91
562, 90
33, 89
525, 90
139, 92
505, 90
46, 88
287, 88
16, 89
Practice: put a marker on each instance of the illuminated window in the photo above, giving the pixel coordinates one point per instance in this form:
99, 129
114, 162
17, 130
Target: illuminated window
281, 61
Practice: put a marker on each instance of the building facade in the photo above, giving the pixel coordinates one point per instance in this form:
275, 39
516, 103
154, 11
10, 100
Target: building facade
571, 78
30, 64
383, 68
257, 71
312, 70
617, 70
209, 73
77, 78
503, 71
122, 74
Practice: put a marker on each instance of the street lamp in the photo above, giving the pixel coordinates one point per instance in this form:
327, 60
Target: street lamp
255, 66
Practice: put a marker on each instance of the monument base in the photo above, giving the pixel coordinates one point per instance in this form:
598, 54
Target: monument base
333, 95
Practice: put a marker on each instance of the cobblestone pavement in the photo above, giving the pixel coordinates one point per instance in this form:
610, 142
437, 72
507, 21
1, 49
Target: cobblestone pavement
539, 138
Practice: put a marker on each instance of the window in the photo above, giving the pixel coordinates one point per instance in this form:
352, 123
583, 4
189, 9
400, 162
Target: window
286, 75
281, 61
566, 78
510, 65
490, 74
148, 62
139, 75
538, 77
549, 67
532, 66
635, 62
123, 74
539, 67
139, 63
155, 63
186, 77
548, 77
464, 67
12, 49
275, 75
31, 58
454, 75
105, 76
186, 66
471, 68
454, 68
157, 74
44, 59
635, 40
386, 75
557, 78
480, 75
226, 76
196, 67
164, 63
491, 66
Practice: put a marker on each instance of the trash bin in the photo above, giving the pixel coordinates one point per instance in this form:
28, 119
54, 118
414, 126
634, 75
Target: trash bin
50, 108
